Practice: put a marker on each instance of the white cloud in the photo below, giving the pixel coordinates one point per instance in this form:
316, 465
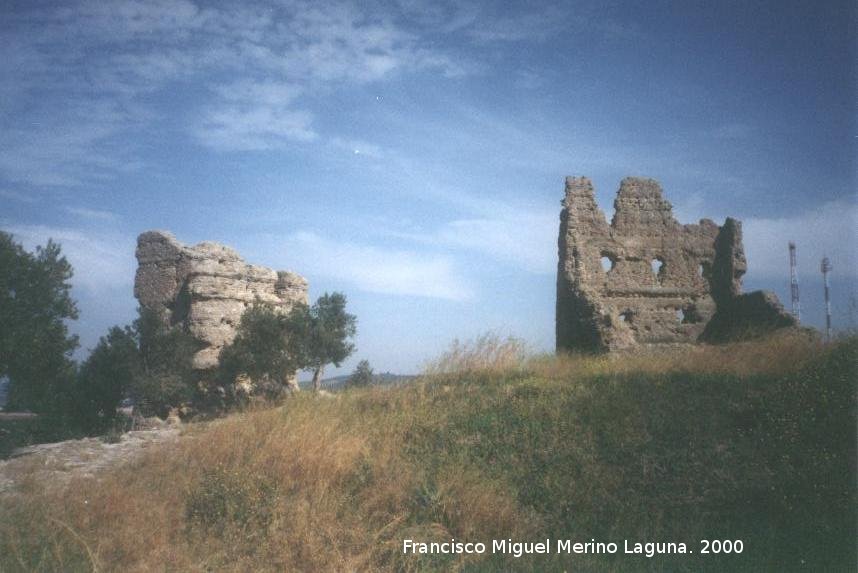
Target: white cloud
103, 64
255, 115
379, 270
67, 148
94, 214
831, 229
102, 261
248, 127
265, 92
525, 239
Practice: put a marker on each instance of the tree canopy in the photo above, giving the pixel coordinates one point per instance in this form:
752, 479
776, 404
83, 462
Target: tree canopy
270, 346
321, 334
105, 377
147, 361
165, 378
35, 303
260, 350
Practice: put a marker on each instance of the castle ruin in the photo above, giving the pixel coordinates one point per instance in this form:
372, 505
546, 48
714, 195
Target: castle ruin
206, 289
645, 279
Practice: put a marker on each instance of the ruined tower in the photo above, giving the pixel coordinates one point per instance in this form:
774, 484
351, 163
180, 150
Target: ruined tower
645, 279
206, 288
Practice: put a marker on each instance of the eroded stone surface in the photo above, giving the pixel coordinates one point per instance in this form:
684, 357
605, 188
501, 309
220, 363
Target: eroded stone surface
646, 279
58, 463
206, 288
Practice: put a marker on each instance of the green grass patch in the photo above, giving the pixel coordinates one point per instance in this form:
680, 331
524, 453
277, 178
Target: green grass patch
752, 442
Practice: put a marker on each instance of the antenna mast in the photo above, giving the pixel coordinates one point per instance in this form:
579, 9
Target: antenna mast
826, 268
793, 283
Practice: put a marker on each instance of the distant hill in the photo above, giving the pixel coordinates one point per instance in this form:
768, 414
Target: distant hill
4, 390
382, 379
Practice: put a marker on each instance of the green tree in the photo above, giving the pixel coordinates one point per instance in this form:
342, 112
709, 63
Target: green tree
362, 375
165, 378
35, 345
260, 350
148, 361
105, 378
321, 334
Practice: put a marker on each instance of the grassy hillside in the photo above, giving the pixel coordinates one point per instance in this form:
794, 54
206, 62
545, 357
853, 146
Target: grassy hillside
752, 441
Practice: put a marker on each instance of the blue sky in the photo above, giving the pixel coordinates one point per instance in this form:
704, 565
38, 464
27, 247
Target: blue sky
412, 154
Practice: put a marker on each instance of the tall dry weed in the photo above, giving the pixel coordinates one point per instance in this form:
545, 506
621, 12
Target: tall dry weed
489, 353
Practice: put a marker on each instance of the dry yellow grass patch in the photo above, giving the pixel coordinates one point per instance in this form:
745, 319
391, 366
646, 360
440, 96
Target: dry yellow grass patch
316, 485
335, 485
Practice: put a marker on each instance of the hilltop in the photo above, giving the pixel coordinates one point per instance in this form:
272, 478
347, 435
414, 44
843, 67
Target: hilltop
752, 442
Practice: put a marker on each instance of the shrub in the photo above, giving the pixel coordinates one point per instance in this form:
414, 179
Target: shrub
362, 375
229, 498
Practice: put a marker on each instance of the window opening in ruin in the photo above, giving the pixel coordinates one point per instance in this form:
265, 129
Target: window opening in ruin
608, 262
626, 316
657, 264
688, 315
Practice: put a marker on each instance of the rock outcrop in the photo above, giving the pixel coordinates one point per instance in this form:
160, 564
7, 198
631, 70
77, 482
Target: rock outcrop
206, 288
645, 279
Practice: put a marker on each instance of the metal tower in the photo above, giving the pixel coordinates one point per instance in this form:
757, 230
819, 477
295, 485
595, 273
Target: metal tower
793, 283
826, 268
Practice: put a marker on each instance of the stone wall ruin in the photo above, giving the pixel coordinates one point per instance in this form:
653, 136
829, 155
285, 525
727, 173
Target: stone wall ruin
645, 279
206, 288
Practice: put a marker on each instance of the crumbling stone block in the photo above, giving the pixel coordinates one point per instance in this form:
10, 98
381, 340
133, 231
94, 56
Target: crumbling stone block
645, 279
206, 289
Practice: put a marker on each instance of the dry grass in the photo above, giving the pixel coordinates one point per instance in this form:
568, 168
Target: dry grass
335, 485
494, 355
778, 354
317, 485
487, 354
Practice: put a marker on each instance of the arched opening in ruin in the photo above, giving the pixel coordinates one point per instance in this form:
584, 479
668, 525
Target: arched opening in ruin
703, 269
626, 316
657, 265
608, 261
688, 315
